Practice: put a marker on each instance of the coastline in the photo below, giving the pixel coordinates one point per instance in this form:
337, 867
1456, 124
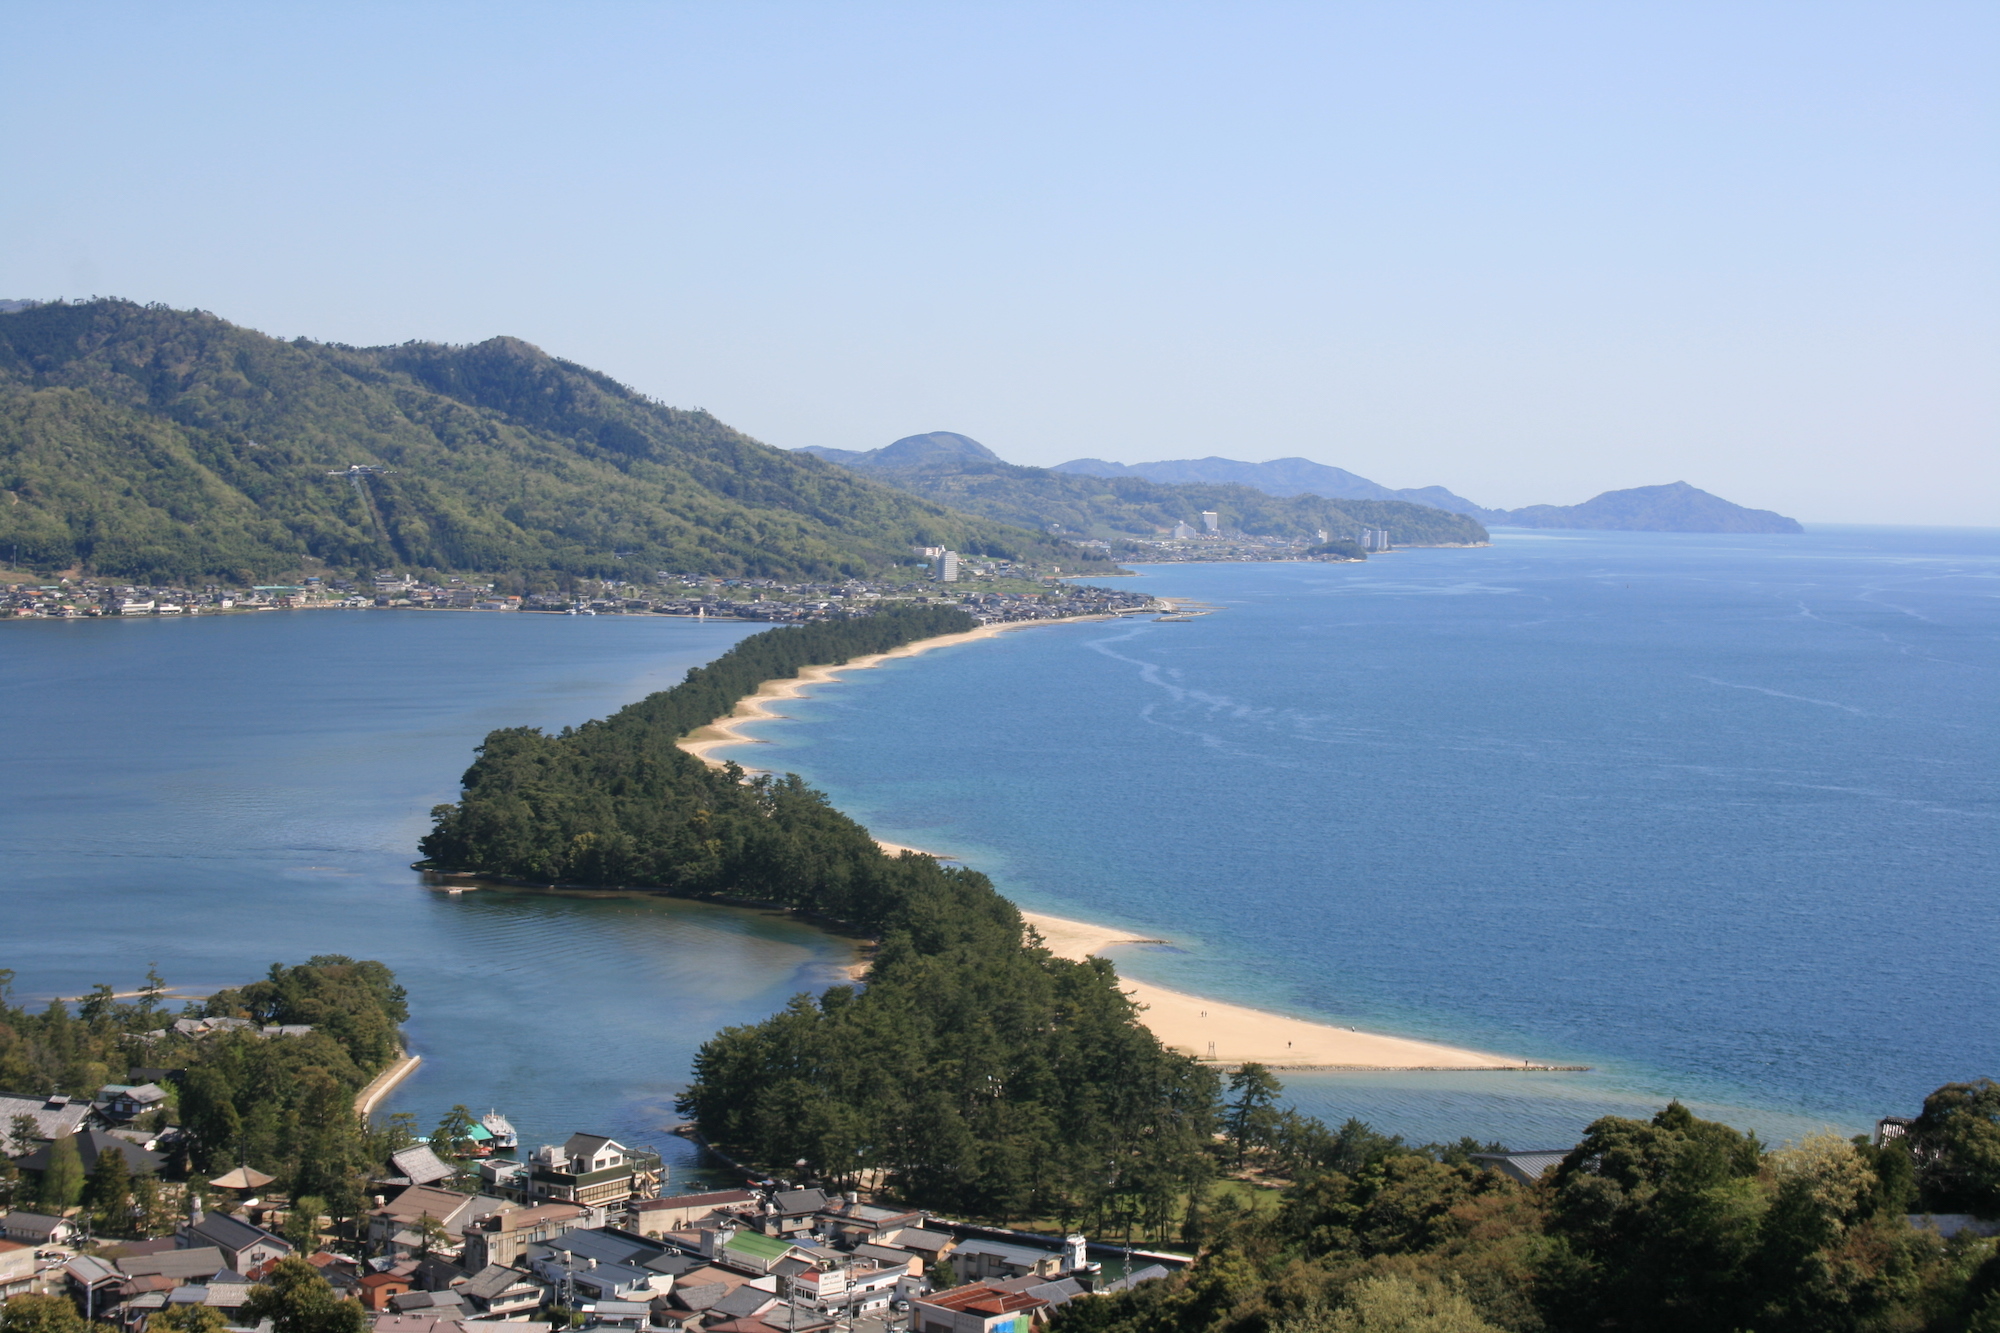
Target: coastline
1210, 1030
385, 1083
1218, 1032
757, 707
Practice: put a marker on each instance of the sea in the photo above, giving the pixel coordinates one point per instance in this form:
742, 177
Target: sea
1714, 816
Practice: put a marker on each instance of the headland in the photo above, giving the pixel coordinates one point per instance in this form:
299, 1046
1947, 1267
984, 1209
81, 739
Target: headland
1209, 1030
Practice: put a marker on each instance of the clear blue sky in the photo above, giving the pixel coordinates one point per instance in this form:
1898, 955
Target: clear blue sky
1529, 251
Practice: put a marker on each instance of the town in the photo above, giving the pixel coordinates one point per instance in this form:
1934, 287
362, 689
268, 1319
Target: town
990, 591
579, 1234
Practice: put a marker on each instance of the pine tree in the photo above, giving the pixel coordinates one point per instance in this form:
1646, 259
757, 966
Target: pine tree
1251, 1117
62, 1179
108, 1193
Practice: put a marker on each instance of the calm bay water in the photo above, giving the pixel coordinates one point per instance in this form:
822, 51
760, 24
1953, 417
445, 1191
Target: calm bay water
219, 794
1714, 815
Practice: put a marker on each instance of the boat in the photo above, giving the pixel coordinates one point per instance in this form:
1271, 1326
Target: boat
501, 1129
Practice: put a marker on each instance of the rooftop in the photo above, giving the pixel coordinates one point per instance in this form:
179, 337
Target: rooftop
983, 1298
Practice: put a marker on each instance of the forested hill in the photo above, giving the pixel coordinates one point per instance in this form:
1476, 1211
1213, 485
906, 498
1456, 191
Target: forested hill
141, 442
962, 473
1677, 507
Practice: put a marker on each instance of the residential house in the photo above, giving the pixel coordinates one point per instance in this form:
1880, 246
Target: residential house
871, 1287
92, 1144
505, 1236
118, 1102
243, 1246
1057, 1293
397, 1225
792, 1212
431, 1273
659, 1216
55, 1116
499, 1292
977, 1307
448, 1303
606, 1265
977, 1260
745, 1302
17, 1268
750, 1252
932, 1245
36, 1229
376, 1290
621, 1314
777, 1319
418, 1165
421, 1321
594, 1170
854, 1288
850, 1222
341, 1273
197, 1264
908, 1262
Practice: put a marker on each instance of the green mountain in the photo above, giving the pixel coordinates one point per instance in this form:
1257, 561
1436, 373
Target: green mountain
1675, 508
147, 443
958, 471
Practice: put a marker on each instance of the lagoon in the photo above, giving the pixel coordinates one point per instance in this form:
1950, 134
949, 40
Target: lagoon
222, 793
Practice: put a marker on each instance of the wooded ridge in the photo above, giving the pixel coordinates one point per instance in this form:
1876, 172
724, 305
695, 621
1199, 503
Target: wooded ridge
168, 445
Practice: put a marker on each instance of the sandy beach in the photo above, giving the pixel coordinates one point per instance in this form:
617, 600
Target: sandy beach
728, 730
1232, 1033
1207, 1029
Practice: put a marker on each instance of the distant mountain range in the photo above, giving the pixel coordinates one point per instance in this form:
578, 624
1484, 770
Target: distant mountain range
1674, 508
142, 442
958, 471
1280, 476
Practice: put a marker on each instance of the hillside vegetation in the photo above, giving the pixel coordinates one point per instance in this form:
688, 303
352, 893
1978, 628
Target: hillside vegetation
146, 443
975, 1070
965, 475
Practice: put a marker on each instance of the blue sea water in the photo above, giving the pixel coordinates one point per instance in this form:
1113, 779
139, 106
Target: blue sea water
1714, 815
220, 794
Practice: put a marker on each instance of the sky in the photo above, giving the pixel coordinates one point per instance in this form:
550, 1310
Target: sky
1529, 251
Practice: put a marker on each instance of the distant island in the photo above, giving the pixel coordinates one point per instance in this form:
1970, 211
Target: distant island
1678, 507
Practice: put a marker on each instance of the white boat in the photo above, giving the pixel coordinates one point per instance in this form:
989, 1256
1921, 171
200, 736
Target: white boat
501, 1129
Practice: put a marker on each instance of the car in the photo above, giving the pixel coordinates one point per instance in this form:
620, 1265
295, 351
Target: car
51, 1254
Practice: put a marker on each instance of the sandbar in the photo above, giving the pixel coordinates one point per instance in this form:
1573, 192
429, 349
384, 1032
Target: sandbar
702, 741
1209, 1030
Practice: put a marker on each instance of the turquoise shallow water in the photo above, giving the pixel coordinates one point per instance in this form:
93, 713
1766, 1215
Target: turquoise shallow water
1714, 815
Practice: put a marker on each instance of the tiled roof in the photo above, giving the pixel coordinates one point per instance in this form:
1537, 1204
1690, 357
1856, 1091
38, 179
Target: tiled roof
983, 1298
713, 1199
800, 1201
